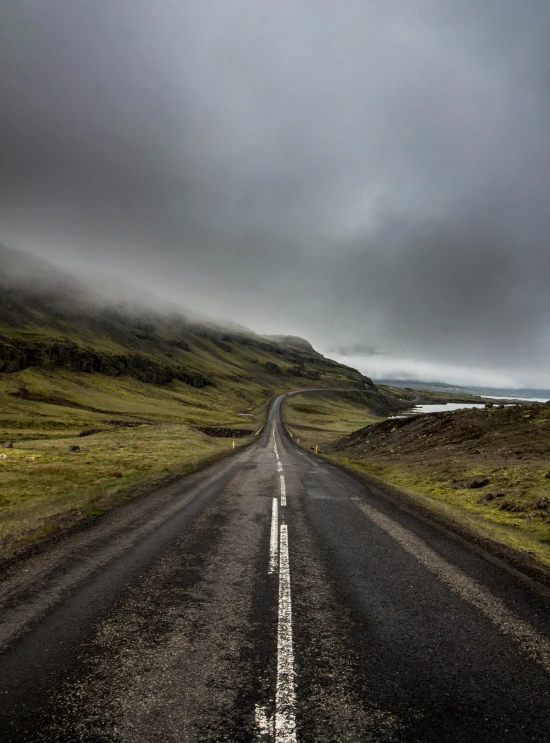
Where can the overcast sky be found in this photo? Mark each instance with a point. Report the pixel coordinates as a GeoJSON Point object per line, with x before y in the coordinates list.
{"type": "Point", "coordinates": [371, 174]}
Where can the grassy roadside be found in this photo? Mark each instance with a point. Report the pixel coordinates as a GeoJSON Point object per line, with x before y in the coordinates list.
{"type": "Point", "coordinates": [142, 435]}
{"type": "Point", "coordinates": [61, 487]}
{"type": "Point", "coordinates": [484, 470]}
{"type": "Point", "coordinates": [528, 539]}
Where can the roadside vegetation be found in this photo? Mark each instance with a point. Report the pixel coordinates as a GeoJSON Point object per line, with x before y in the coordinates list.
{"type": "Point", "coordinates": [487, 469]}
{"type": "Point", "coordinates": [104, 440]}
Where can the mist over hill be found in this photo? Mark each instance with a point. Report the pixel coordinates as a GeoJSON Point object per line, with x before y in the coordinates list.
{"type": "Point", "coordinates": [51, 319]}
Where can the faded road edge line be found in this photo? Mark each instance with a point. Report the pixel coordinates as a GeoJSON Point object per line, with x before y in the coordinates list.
{"type": "Point", "coordinates": [283, 491]}
{"type": "Point", "coordinates": [532, 642]}
{"type": "Point", "coordinates": [264, 724]}
{"type": "Point", "coordinates": [285, 697]}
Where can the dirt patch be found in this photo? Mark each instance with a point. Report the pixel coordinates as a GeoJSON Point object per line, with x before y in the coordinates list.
{"type": "Point", "coordinates": [225, 433]}
{"type": "Point", "coordinates": [126, 424]}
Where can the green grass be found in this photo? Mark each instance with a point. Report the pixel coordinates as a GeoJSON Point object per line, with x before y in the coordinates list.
{"type": "Point", "coordinates": [314, 419]}
{"type": "Point", "coordinates": [61, 486]}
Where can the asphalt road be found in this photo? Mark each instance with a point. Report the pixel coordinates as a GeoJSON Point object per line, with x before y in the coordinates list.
{"type": "Point", "coordinates": [271, 597]}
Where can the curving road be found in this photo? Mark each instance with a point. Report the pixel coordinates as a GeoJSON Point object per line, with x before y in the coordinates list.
{"type": "Point", "coordinates": [271, 597]}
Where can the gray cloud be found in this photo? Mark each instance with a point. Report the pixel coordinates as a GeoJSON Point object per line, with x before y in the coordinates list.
{"type": "Point", "coordinates": [367, 173]}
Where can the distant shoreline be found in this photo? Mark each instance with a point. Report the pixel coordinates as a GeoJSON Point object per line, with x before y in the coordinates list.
{"type": "Point", "coordinates": [531, 394]}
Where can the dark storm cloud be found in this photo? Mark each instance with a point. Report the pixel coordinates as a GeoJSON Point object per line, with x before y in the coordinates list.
{"type": "Point", "coordinates": [371, 174]}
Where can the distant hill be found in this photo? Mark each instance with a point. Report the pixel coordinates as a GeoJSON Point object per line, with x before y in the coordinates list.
{"type": "Point", "coordinates": [51, 320]}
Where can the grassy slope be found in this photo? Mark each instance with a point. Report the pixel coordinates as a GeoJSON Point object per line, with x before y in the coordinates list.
{"type": "Point", "coordinates": [435, 458]}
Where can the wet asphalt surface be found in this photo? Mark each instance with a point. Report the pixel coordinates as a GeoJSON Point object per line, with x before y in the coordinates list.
{"type": "Point", "coordinates": [160, 621]}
